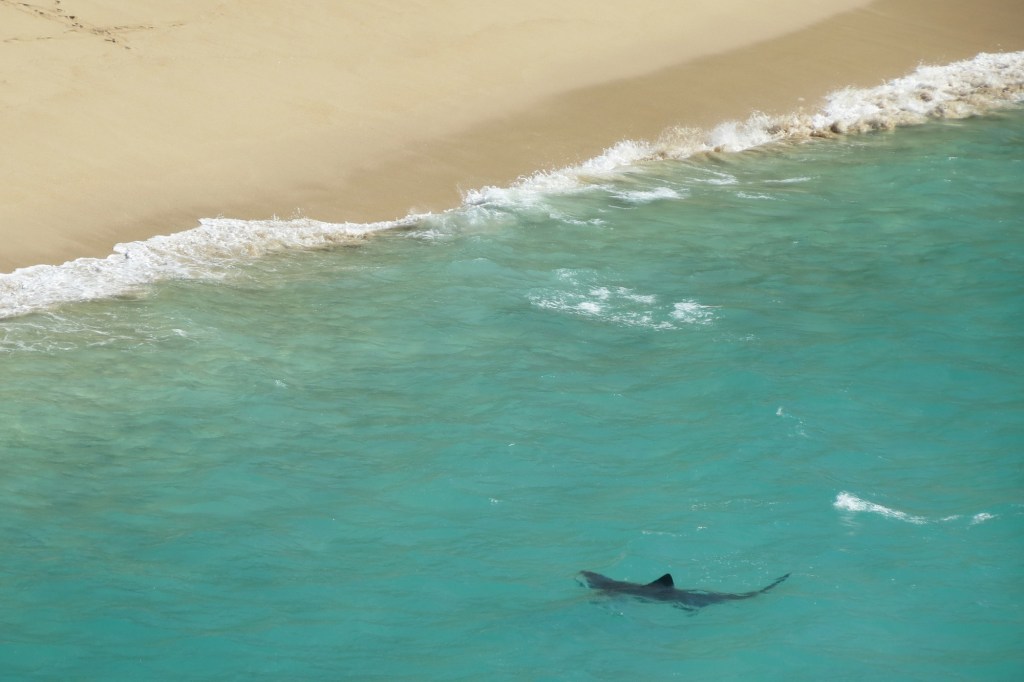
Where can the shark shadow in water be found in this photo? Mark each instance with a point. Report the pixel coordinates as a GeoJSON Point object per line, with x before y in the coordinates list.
{"type": "Point", "coordinates": [664, 589]}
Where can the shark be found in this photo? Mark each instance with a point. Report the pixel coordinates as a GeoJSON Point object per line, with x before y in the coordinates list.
{"type": "Point", "coordinates": [664, 590]}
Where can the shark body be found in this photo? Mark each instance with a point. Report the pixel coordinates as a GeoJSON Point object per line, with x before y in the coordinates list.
{"type": "Point", "coordinates": [664, 590]}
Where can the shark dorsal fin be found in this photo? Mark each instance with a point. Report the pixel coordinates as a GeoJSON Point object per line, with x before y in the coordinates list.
{"type": "Point", "coordinates": [663, 581]}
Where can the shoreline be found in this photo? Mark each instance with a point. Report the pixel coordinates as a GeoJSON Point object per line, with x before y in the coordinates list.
{"type": "Point", "coordinates": [73, 187]}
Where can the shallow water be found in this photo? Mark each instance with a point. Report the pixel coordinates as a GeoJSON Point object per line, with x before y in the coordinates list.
{"type": "Point", "coordinates": [390, 460]}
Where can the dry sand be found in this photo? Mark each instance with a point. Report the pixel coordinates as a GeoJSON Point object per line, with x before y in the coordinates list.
{"type": "Point", "coordinates": [125, 120]}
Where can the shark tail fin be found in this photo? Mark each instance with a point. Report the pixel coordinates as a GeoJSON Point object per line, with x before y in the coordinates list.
{"type": "Point", "coordinates": [663, 581]}
{"type": "Point", "coordinates": [777, 581]}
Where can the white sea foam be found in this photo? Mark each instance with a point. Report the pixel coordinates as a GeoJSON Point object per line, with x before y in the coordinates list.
{"type": "Point", "coordinates": [851, 503]}
{"type": "Point", "coordinates": [209, 251]}
{"type": "Point", "coordinates": [958, 90]}
{"type": "Point", "coordinates": [981, 518]}
{"type": "Point", "coordinates": [691, 312]}
{"type": "Point", "coordinates": [647, 196]}
{"type": "Point", "coordinates": [787, 181]}
{"type": "Point", "coordinates": [213, 249]}
{"type": "Point", "coordinates": [576, 293]}
{"type": "Point", "coordinates": [722, 179]}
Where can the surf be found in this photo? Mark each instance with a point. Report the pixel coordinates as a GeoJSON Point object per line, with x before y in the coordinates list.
{"type": "Point", "coordinates": [219, 246]}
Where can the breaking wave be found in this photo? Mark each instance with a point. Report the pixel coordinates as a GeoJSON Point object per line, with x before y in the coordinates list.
{"type": "Point", "coordinates": [217, 246]}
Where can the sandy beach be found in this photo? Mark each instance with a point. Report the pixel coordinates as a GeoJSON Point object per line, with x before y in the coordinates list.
{"type": "Point", "coordinates": [126, 120]}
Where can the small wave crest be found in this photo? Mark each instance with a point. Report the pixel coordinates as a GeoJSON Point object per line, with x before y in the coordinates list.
{"type": "Point", "coordinates": [851, 503]}
{"type": "Point", "coordinates": [217, 246]}
{"type": "Point", "coordinates": [639, 196]}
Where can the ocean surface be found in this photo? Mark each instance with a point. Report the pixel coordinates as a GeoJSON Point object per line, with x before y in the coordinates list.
{"type": "Point", "coordinates": [305, 452]}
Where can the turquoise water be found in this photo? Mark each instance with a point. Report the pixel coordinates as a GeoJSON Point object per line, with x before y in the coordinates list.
{"type": "Point", "coordinates": [390, 460]}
